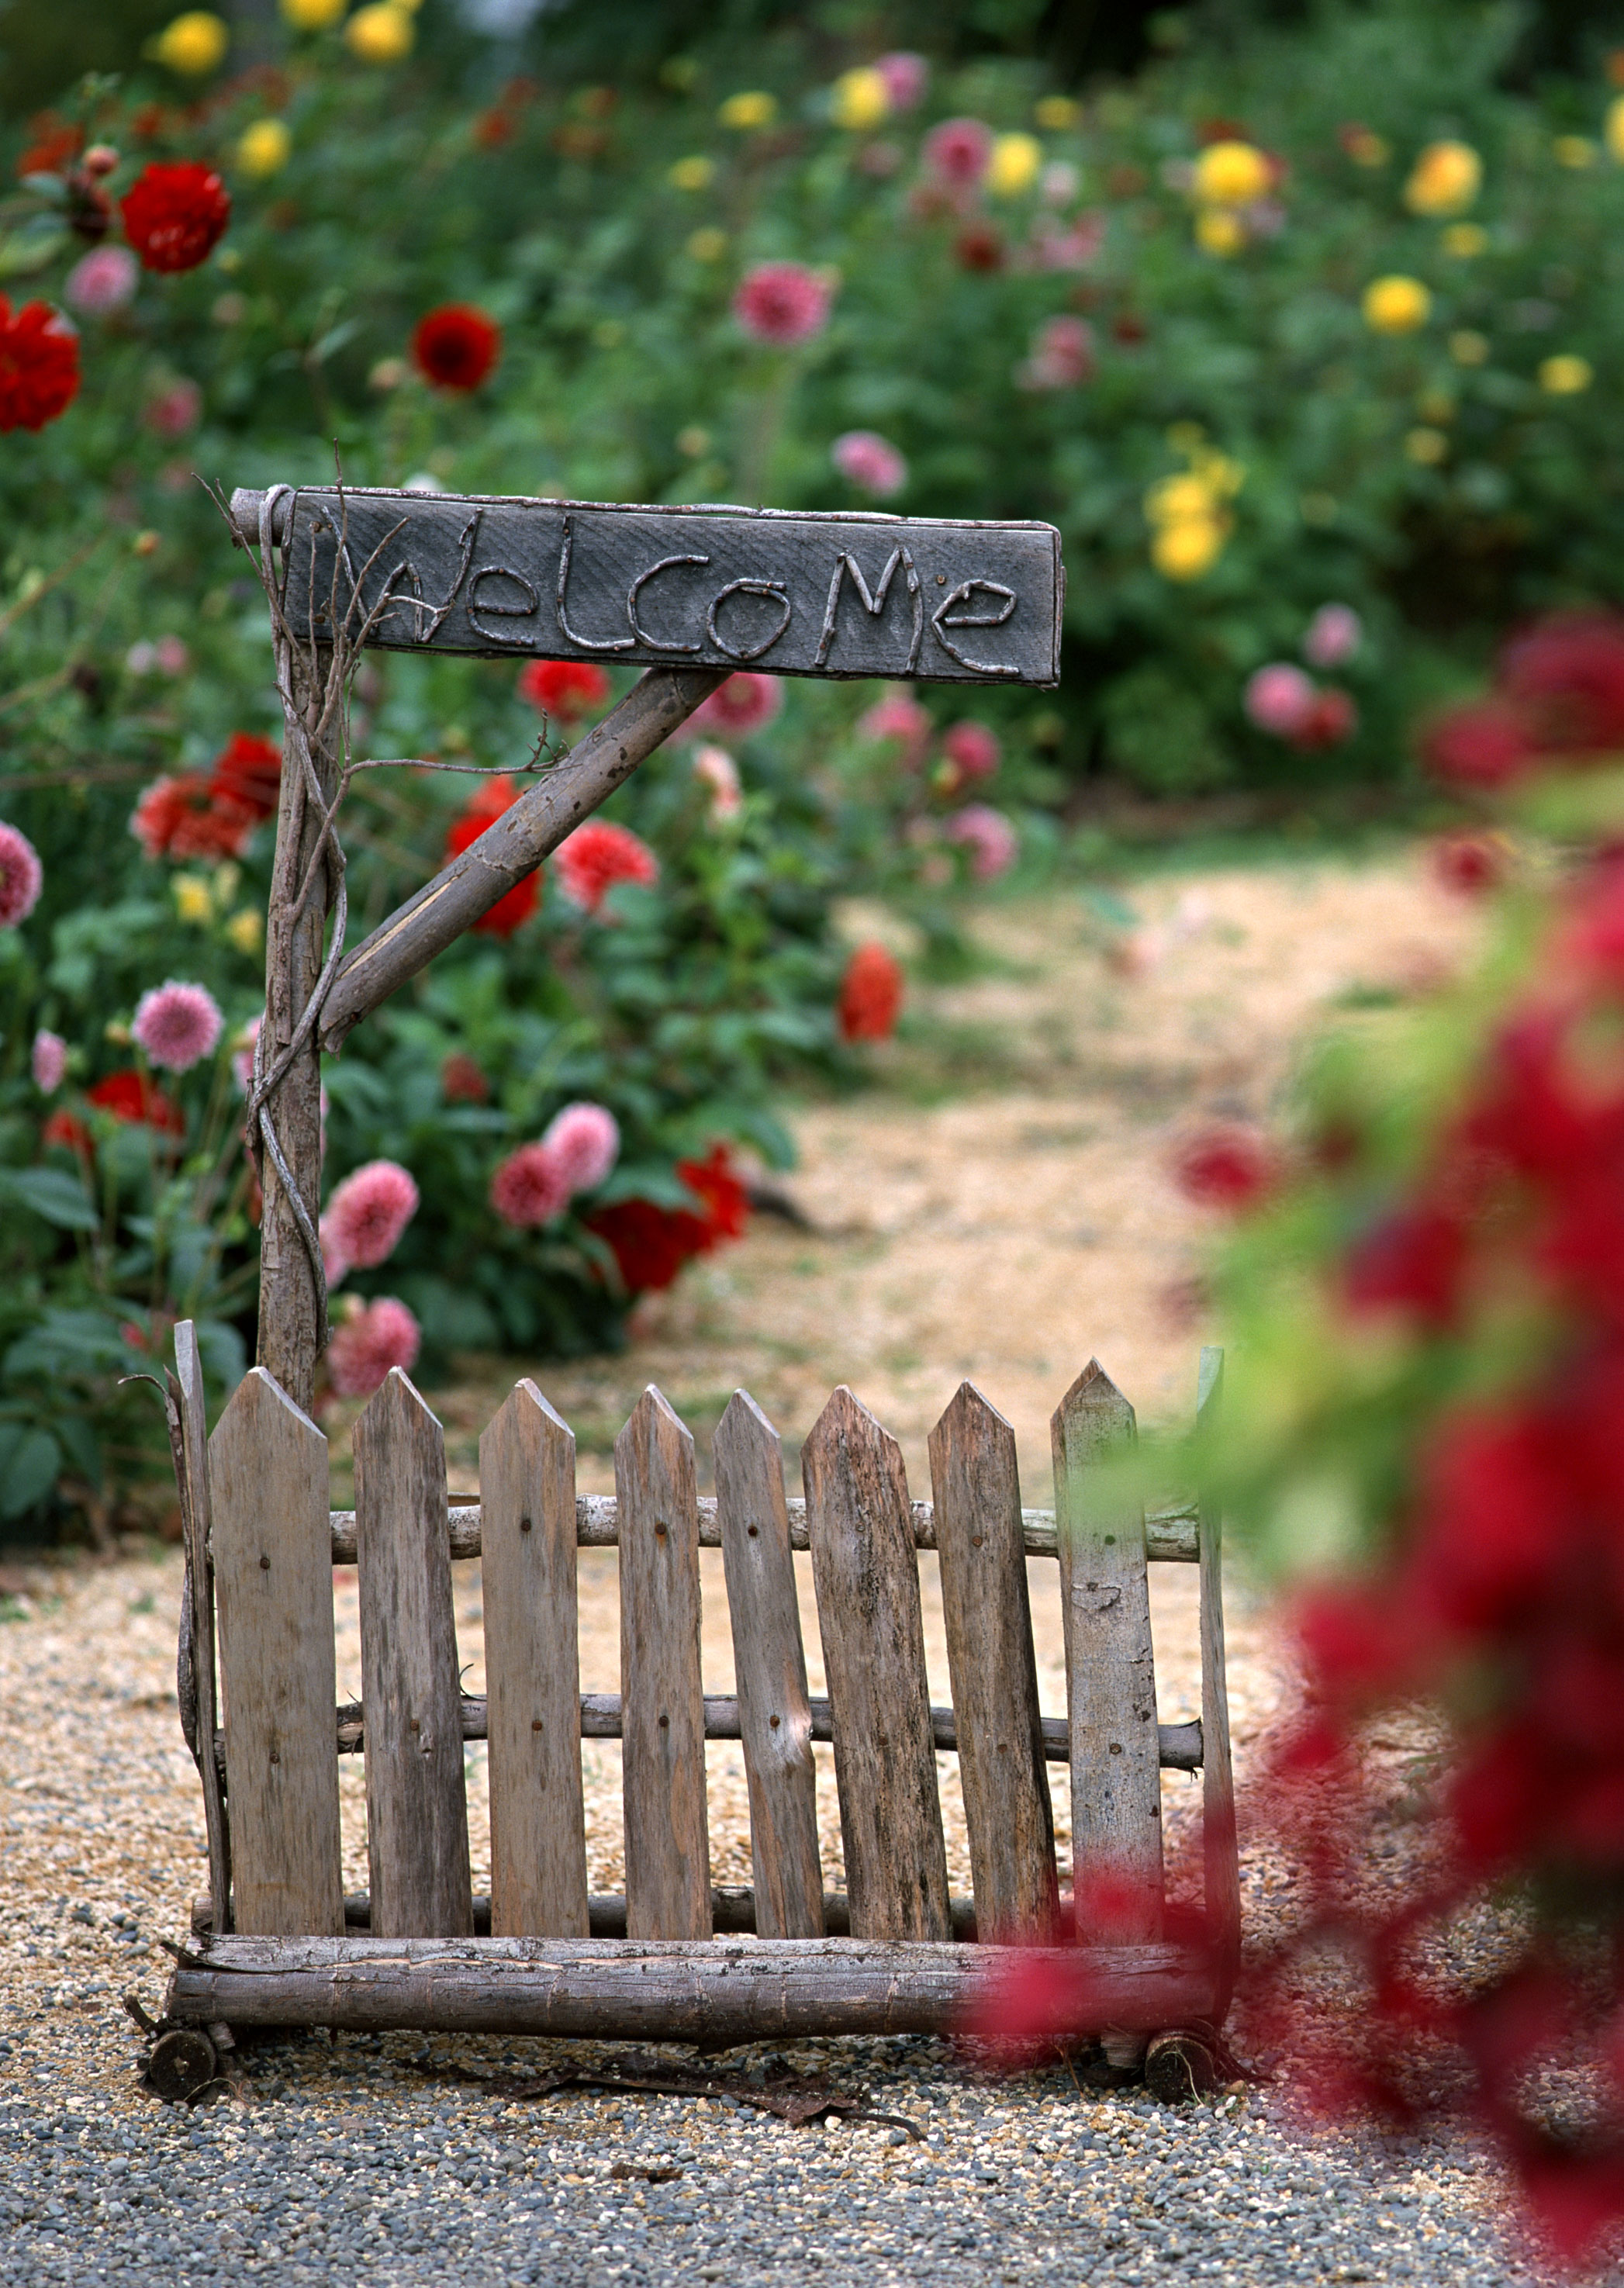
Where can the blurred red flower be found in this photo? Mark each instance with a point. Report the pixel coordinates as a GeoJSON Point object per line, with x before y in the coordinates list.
{"type": "Point", "coordinates": [39, 365]}
{"type": "Point", "coordinates": [180, 817]}
{"type": "Point", "coordinates": [870, 995]}
{"type": "Point", "coordinates": [652, 1244]}
{"type": "Point", "coordinates": [1225, 1168]}
{"type": "Point", "coordinates": [456, 346]}
{"type": "Point", "coordinates": [55, 143]}
{"type": "Point", "coordinates": [133, 1096]}
{"type": "Point", "coordinates": [565, 688]}
{"type": "Point", "coordinates": [1483, 744]}
{"type": "Point", "coordinates": [175, 215]}
{"type": "Point", "coordinates": [460, 1080]}
{"type": "Point", "coordinates": [495, 795]}
{"type": "Point", "coordinates": [596, 856]}
{"type": "Point", "coordinates": [1469, 863]}
{"type": "Point", "coordinates": [1566, 679]}
{"type": "Point", "coordinates": [248, 774]}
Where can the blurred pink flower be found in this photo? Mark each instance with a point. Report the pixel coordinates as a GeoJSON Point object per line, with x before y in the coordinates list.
{"type": "Point", "coordinates": [898, 717]}
{"type": "Point", "coordinates": [1067, 246]}
{"type": "Point", "coordinates": [1279, 699]}
{"type": "Point", "coordinates": [957, 151]}
{"type": "Point", "coordinates": [1335, 634]}
{"type": "Point", "coordinates": [782, 302]}
{"type": "Point", "coordinates": [175, 409]}
{"type": "Point", "coordinates": [715, 768]}
{"type": "Point", "coordinates": [171, 656]}
{"type": "Point", "coordinates": [368, 1213]}
{"type": "Point", "coordinates": [1062, 356]}
{"type": "Point", "coordinates": [102, 280]}
{"type": "Point", "coordinates": [177, 1025]}
{"type": "Point", "coordinates": [529, 1187]}
{"type": "Point", "coordinates": [22, 877]}
{"type": "Point", "coordinates": [905, 75]}
{"type": "Point", "coordinates": [599, 855]}
{"type": "Point", "coordinates": [973, 748]}
{"type": "Point", "coordinates": [584, 1141]}
{"type": "Point", "coordinates": [48, 1060]}
{"type": "Point", "coordinates": [744, 703]}
{"type": "Point", "coordinates": [988, 834]}
{"type": "Point", "coordinates": [364, 1347]}
{"type": "Point", "coordinates": [870, 462]}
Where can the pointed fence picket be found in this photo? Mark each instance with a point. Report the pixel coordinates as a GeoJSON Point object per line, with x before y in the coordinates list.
{"type": "Point", "coordinates": [277, 1935]}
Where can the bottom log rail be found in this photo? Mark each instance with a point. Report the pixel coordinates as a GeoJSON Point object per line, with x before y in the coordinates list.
{"type": "Point", "coordinates": [714, 1991]}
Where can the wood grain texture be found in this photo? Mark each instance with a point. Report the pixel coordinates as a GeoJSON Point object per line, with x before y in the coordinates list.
{"type": "Point", "coordinates": [196, 1518]}
{"type": "Point", "coordinates": [994, 1670]}
{"type": "Point", "coordinates": [757, 1989]}
{"type": "Point", "coordinates": [417, 1802]}
{"type": "Point", "coordinates": [1111, 1675]}
{"type": "Point", "coordinates": [787, 592]}
{"type": "Point", "coordinates": [1219, 1849]}
{"type": "Point", "coordinates": [663, 1698]}
{"type": "Point", "coordinates": [533, 1672]}
{"type": "Point", "coordinates": [273, 1584]}
{"type": "Point", "coordinates": [867, 1577]}
{"type": "Point", "coordinates": [770, 1669]}
{"type": "Point", "coordinates": [733, 1914]}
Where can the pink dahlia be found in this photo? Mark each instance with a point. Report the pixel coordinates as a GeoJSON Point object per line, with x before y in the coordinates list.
{"type": "Point", "coordinates": [783, 303]}
{"type": "Point", "coordinates": [973, 748]}
{"type": "Point", "coordinates": [1335, 634]}
{"type": "Point", "coordinates": [363, 1349]}
{"type": "Point", "coordinates": [870, 462]}
{"type": "Point", "coordinates": [744, 703]}
{"type": "Point", "coordinates": [530, 1187]}
{"type": "Point", "coordinates": [987, 836]}
{"type": "Point", "coordinates": [175, 409]}
{"type": "Point", "coordinates": [103, 280]}
{"type": "Point", "coordinates": [597, 856]}
{"type": "Point", "coordinates": [1280, 699]}
{"type": "Point", "coordinates": [956, 153]}
{"type": "Point", "coordinates": [48, 1062]}
{"type": "Point", "coordinates": [898, 717]}
{"type": "Point", "coordinates": [1062, 356]}
{"type": "Point", "coordinates": [177, 1025]}
{"type": "Point", "coordinates": [715, 768]}
{"type": "Point", "coordinates": [22, 877]}
{"type": "Point", "coordinates": [905, 76]}
{"type": "Point", "coordinates": [584, 1142]}
{"type": "Point", "coordinates": [368, 1213]}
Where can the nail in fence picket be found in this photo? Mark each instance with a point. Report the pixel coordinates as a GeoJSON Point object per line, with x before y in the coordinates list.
{"type": "Point", "coordinates": [262, 1541]}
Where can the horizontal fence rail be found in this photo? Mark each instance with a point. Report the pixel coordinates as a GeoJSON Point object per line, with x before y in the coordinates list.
{"type": "Point", "coordinates": [1171, 1534]}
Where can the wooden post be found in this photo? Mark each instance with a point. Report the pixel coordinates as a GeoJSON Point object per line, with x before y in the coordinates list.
{"type": "Point", "coordinates": [869, 1617]}
{"type": "Point", "coordinates": [1220, 1862]}
{"type": "Point", "coordinates": [196, 1518]}
{"type": "Point", "coordinates": [990, 1658]}
{"type": "Point", "coordinates": [1110, 1670]}
{"type": "Point", "coordinates": [770, 1668]}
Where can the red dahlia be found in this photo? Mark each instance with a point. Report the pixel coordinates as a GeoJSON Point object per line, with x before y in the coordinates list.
{"type": "Point", "coordinates": [175, 216]}
{"type": "Point", "coordinates": [564, 687]}
{"type": "Point", "coordinates": [248, 773]}
{"type": "Point", "coordinates": [39, 365]}
{"type": "Point", "coordinates": [651, 1243]}
{"type": "Point", "coordinates": [496, 796]}
{"type": "Point", "coordinates": [457, 346]}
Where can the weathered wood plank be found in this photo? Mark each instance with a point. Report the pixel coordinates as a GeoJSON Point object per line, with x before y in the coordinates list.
{"type": "Point", "coordinates": [273, 1581]}
{"type": "Point", "coordinates": [994, 1669]}
{"type": "Point", "coordinates": [662, 1702]}
{"type": "Point", "coordinates": [533, 1672]}
{"type": "Point", "coordinates": [866, 1578]}
{"type": "Point", "coordinates": [770, 1669]}
{"type": "Point", "coordinates": [416, 1800]}
{"type": "Point", "coordinates": [732, 1913]}
{"type": "Point", "coordinates": [196, 1516]}
{"type": "Point", "coordinates": [1169, 1533]}
{"type": "Point", "coordinates": [603, 1988]}
{"type": "Point", "coordinates": [1111, 1678]}
{"type": "Point", "coordinates": [1221, 1864]}
{"type": "Point", "coordinates": [787, 592]}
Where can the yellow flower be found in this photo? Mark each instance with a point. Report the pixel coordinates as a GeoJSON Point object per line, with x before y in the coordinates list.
{"type": "Point", "coordinates": [1564, 376]}
{"type": "Point", "coordinates": [755, 108]}
{"type": "Point", "coordinates": [246, 930]}
{"type": "Point", "coordinates": [312, 15]}
{"type": "Point", "coordinates": [1180, 500]}
{"type": "Point", "coordinates": [1013, 167]}
{"type": "Point", "coordinates": [1612, 130]}
{"type": "Point", "coordinates": [1574, 151]}
{"type": "Point", "coordinates": [707, 245]}
{"type": "Point", "coordinates": [1219, 474]}
{"type": "Point", "coordinates": [1468, 348]}
{"type": "Point", "coordinates": [1188, 547]}
{"type": "Point", "coordinates": [1056, 113]}
{"type": "Point", "coordinates": [859, 99]}
{"type": "Point", "coordinates": [1367, 148]}
{"type": "Point", "coordinates": [1217, 231]}
{"type": "Point", "coordinates": [1396, 304]}
{"type": "Point", "coordinates": [1465, 239]}
{"type": "Point", "coordinates": [1444, 180]}
{"type": "Point", "coordinates": [1428, 447]}
{"type": "Point", "coordinates": [194, 899]}
{"type": "Point", "coordinates": [264, 147]}
{"type": "Point", "coordinates": [193, 44]}
{"type": "Point", "coordinates": [380, 33]}
{"type": "Point", "coordinates": [693, 174]}
{"type": "Point", "coordinates": [1232, 175]}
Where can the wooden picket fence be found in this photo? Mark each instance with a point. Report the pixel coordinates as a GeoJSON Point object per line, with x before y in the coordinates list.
{"type": "Point", "coordinates": [278, 1944]}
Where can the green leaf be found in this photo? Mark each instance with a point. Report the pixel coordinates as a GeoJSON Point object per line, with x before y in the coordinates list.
{"type": "Point", "coordinates": [28, 1471]}
{"type": "Point", "coordinates": [53, 1192]}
